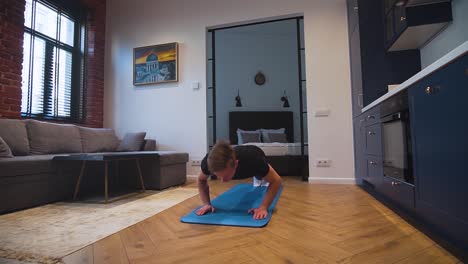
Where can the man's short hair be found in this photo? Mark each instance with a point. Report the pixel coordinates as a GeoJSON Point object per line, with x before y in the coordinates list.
{"type": "Point", "coordinates": [221, 156]}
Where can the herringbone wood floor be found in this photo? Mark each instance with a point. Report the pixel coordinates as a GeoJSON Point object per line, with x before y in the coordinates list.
{"type": "Point", "coordinates": [311, 224]}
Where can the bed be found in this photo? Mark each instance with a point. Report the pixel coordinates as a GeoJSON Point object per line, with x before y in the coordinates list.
{"type": "Point", "coordinates": [280, 149]}
{"type": "Point", "coordinates": [286, 158]}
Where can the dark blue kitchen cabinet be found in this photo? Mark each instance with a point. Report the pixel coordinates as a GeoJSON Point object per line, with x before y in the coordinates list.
{"type": "Point", "coordinates": [374, 171]}
{"type": "Point", "coordinates": [400, 193]}
{"type": "Point", "coordinates": [373, 149]}
{"type": "Point", "coordinates": [359, 148]}
{"type": "Point", "coordinates": [372, 69]}
{"type": "Point", "coordinates": [374, 140]}
{"type": "Point", "coordinates": [368, 148]}
{"type": "Point", "coordinates": [438, 114]}
{"type": "Point", "coordinates": [356, 73]}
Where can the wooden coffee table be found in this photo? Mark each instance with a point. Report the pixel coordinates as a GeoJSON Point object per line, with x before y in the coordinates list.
{"type": "Point", "coordinates": [105, 158]}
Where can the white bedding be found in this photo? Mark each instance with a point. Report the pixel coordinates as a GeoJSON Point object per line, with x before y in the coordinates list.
{"type": "Point", "coordinates": [280, 149]}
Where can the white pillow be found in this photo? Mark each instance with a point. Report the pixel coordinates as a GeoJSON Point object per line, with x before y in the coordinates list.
{"type": "Point", "coordinates": [241, 131]}
{"type": "Point", "coordinates": [265, 132]}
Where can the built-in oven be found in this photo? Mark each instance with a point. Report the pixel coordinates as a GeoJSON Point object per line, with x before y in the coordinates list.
{"type": "Point", "coordinates": [396, 138]}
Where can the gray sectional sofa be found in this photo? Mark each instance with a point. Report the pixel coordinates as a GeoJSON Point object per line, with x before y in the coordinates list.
{"type": "Point", "coordinates": [30, 177]}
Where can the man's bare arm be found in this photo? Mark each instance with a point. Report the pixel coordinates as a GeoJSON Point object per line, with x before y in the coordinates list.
{"type": "Point", "coordinates": [275, 183]}
{"type": "Point", "coordinates": [204, 188]}
{"type": "Point", "coordinates": [204, 191]}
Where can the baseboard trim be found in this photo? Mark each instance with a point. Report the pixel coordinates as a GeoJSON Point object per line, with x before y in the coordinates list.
{"type": "Point", "coordinates": [332, 180]}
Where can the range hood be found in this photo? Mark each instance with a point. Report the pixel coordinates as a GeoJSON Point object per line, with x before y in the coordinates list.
{"type": "Point", "coordinates": [417, 22]}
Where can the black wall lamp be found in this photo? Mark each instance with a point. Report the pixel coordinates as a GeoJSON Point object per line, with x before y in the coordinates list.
{"type": "Point", "coordinates": [238, 100]}
{"type": "Point", "coordinates": [285, 100]}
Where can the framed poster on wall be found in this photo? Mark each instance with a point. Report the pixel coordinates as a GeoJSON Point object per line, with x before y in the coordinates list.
{"type": "Point", "coordinates": [155, 64]}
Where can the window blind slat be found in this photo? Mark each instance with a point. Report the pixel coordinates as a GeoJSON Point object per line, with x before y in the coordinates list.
{"type": "Point", "coordinates": [25, 96]}
{"type": "Point", "coordinates": [49, 80]}
{"type": "Point", "coordinates": [65, 88]}
{"type": "Point", "coordinates": [38, 68]}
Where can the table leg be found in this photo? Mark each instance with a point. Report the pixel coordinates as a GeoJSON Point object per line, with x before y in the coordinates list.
{"type": "Point", "coordinates": [77, 186]}
{"type": "Point", "coordinates": [140, 175]}
{"type": "Point", "coordinates": [106, 173]}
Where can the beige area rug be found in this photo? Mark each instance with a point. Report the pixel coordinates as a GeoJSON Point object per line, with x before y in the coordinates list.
{"type": "Point", "coordinates": [48, 233]}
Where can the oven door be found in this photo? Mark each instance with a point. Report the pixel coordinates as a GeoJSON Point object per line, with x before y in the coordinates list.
{"type": "Point", "coordinates": [396, 147]}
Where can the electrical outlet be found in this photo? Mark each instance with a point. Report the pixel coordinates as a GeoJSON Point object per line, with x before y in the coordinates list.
{"type": "Point", "coordinates": [196, 162]}
{"type": "Point", "coordinates": [322, 112]}
{"type": "Point", "coordinates": [322, 163]}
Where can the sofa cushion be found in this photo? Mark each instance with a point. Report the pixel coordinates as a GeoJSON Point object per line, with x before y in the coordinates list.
{"type": "Point", "coordinates": [149, 145]}
{"type": "Point", "coordinates": [5, 151]}
{"type": "Point", "coordinates": [98, 139]}
{"type": "Point", "coordinates": [49, 138]}
{"type": "Point", "coordinates": [25, 165]}
{"type": "Point", "coordinates": [132, 142]}
{"type": "Point", "coordinates": [13, 132]}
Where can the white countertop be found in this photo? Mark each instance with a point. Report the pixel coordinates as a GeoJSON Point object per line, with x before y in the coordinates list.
{"type": "Point", "coordinates": [455, 53]}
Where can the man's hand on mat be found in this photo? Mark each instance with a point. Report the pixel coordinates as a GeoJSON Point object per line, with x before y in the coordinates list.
{"type": "Point", "coordinates": [259, 213]}
{"type": "Point", "coordinates": [205, 209]}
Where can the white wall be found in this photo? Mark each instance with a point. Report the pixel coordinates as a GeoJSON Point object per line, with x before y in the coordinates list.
{"type": "Point", "coordinates": [243, 51]}
{"type": "Point", "coordinates": [175, 115]}
{"type": "Point", "coordinates": [453, 36]}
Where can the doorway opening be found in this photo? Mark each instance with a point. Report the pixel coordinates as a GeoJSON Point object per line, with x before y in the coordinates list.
{"type": "Point", "coordinates": [256, 82]}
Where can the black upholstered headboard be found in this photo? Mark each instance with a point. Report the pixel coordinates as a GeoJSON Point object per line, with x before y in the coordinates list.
{"type": "Point", "coordinates": [248, 120]}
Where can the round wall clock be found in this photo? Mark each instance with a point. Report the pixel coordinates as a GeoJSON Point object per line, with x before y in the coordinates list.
{"type": "Point", "coordinates": [260, 78]}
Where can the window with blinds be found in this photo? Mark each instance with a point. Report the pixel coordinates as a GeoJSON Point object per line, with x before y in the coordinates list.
{"type": "Point", "coordinates": [52, 85]}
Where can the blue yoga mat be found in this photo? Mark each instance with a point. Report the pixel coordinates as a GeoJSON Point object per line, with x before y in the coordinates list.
{"type": "Point", "coordinates": [232, 206]}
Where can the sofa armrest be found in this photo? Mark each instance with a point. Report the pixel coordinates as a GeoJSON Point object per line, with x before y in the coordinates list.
{"type": "Point", "coordinates": [149, 145]}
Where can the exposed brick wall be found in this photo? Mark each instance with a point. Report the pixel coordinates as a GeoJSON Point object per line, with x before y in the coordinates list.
{"type": "Point", "coordinates": [11, 58]}
{"type": "Point", "coordinates": [94, 94]}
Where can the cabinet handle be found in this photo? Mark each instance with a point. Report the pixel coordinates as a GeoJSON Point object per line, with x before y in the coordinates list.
{"type": "Point", "coordinates": [402, 19]}
{"type": "Point", "coordinates": [395, 183]}
{"type": "Point", "coordinates": [370, 117]}
{"type": "Point", "coordinates": [356, 8]}
{"type": "Point", "coordinates": [371, 133]}
{"type": "Point", "coordinates": [372, 163]}
{"type": "Point", "coordinates": [429, 90]}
